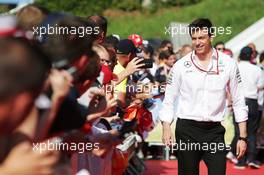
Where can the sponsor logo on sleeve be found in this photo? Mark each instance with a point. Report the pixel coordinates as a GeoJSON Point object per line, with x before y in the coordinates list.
{"type": "Point", "coordinates": [238, 77]}
{"type": "Point", "coordinates": [169, 79]}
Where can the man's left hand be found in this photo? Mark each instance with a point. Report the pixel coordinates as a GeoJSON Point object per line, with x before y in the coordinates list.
{"type": "Point", "coordinates": [241, 148]}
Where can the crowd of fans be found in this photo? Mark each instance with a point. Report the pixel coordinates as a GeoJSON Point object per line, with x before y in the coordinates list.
{"type": "Point", "coordinates": [78, 103]}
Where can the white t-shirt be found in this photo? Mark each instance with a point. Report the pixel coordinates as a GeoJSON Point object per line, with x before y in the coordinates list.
{"type": "Point", "coordinates": [252, 79]}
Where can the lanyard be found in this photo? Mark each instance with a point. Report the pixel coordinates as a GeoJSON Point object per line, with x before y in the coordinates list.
{"type": "Point", "coordinates": [208, 72]}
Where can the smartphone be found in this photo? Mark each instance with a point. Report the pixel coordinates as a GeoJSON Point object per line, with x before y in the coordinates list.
{"type": "Point", "coordinates": [148, 63]}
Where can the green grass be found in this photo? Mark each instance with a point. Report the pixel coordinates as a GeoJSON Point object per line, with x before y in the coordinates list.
{"type": "Point", "coordinates": [238, 14]}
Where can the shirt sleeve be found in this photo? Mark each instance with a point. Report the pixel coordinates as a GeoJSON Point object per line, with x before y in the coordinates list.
{"type": "Point", "coordinates": [166, 113]}
{"type": "Point", "coordinates": [236, 90]}
{"type": "Point", "coordinates": [260, 83]}
{"type": "Point", "coordinates": [261, 92]}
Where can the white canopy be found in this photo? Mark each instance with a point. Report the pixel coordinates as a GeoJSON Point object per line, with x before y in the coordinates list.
{"type": "Point", "coordinates": [252, 34]}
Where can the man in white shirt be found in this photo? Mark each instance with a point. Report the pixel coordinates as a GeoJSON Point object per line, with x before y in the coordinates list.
{"type": "Point", "coordinates": [261, 91]}
{"type": "Point", "coordinates": [200, 80]}
{"type": "Point", "coordinates": [253, 80]}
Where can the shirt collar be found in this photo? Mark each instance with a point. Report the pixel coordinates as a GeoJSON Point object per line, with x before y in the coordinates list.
{"type": "Point", "coordinates": [213, 65]}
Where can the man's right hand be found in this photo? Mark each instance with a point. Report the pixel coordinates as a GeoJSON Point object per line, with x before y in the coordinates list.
{"type": "Point", "coordinates": [167, 136]}
{"type": "Point", "coordinates": [24, 160]}
{"type": "Point", "coordinates": [133, 65]}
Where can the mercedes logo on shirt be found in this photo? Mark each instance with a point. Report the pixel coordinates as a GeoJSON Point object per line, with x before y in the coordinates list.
{"type": "Point", "coordinates": [187, 64]}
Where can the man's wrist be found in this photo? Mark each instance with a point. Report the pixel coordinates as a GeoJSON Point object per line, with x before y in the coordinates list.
{"type": "Point", "coordinates": [127, 73]}
{"type": "Point", "coordinates": [242, 129]}
{"type": "Point", "coordinates": [243, 139]}
{"type": "Point", "coordinates": [166, 124]}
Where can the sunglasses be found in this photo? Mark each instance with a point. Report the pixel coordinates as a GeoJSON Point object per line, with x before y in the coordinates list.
{"type": "Point", "coordinates": [221, 49]}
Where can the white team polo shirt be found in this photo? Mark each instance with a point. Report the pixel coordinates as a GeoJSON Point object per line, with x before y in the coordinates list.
{"type": "Point", "coordinates": [202, 93]}
{"type": "Point", "coordinates": [252, 79]}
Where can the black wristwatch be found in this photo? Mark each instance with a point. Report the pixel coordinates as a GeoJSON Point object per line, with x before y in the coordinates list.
{"type": "Point", "coordinates": [243, 138]}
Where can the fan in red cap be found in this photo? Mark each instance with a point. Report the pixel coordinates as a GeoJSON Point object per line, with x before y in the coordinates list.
{"type": "Point", "coordinates": [137, 39]}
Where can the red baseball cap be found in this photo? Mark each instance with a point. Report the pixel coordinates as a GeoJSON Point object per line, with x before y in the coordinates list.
{"type": "Point", "coordinates": [137, 39]}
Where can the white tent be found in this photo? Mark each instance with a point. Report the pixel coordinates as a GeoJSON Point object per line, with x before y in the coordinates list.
{"type": "Point", "coordinates": [253, 34]}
